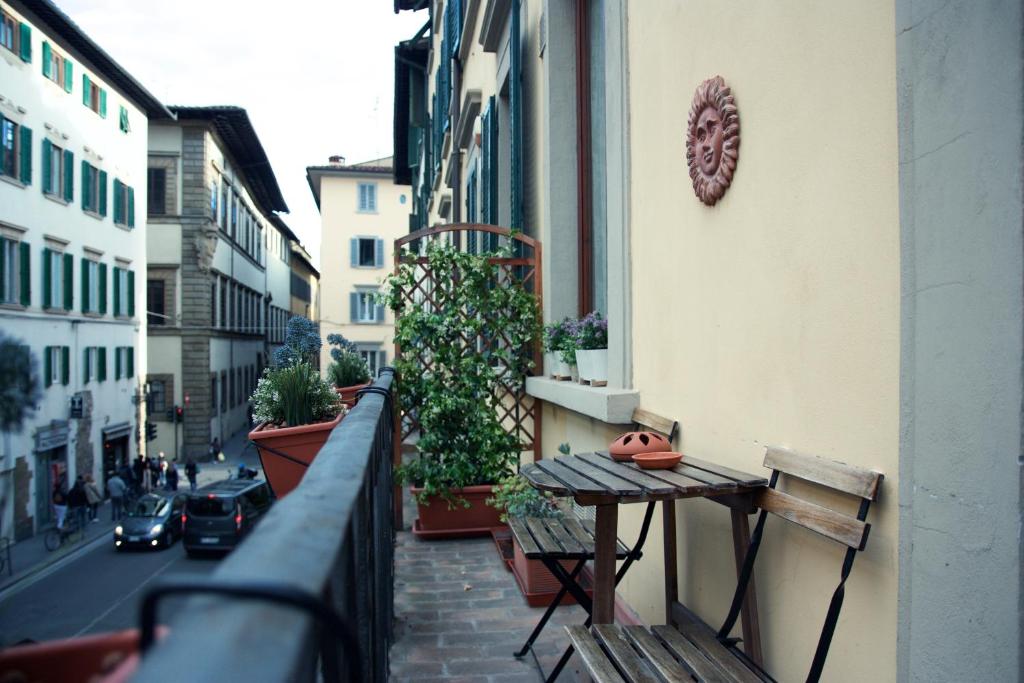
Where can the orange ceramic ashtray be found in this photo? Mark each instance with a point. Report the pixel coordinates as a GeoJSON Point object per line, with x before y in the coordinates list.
{"type": "Point", "coordinates": [631, 443]}
{"type": "Point", "coordinates": [657, 461]}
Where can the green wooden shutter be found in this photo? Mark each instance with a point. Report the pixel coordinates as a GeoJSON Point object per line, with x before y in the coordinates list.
{"type": "Point", "coordinates": [117, 362]}
{"type": "Point", "coordinates": [47, 366]}
{"type": "Point", "coordinates": [85, 365]}
{"type": "Point", "coordinates": [85, 285]}
{"type": "Point", "coordinates": [103, 103]}
{"type": "Point", "coordinates": [86, 91]}
{"type": "Point", "coordinates": [69, 176]}
{"type": "Point", "coordinates": [101, 364]}
{"type": "Point", "coordinates": [86, 168]}
{"type": "Point", "coordinates": [103, 193]}
{"type": "Point", "coordinates": [130, 357]}
{"type": "Point", "coordinates": [46, 59]}
{"type": "Point", "coordinates": [117, 291]}
{"type": "Point", "coordinates": [46, 184]}
{"type": "Point", "coordinates": [131, 207]}
{"type": "Point", "coordinates": [69, 281]}
{"type": "Point", "coordinates": [3, 263]}
{"type": "Point", "coordinates": [25, 43]}
{"type": "Point", "coordinates": [131, 293]}
{"type": "Point", "coordinates": [118, 203]}
{"type": "Point", "coordinates": [47, 270]}
{"type": "Point", "coordinates": [103, 288]}
{"type": "Point", "coordinates": [68, 70]}
{"type": "Point", "coordinates": [26, 155]}
{"type": "Point", "coordinates": [65, 365]}
{"type": "Point", "coordinates": [26, 271]}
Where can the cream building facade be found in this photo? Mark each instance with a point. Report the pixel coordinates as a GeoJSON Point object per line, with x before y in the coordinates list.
{"type": "Point", "coordinates": [72, 255]}
{"type": "Point", "coordinates": [834, 301]}
{"type": "Point", "coordinates": [362, 212]}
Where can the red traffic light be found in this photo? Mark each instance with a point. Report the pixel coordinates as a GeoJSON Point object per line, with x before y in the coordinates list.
{"type": "Point", "coordinates": [179, 412]}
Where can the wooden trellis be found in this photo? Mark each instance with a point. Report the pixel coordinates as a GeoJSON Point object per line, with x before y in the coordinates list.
{"type": "Point", "coordinates": [519, 413]}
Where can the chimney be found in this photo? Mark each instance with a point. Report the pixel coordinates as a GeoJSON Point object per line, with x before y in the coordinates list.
{"type": "Point", "coordinates": [336, 160]}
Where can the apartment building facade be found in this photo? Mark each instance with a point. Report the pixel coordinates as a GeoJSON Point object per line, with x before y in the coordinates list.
{"type": "Point", "coordinates": [855, 293]}
{"type": "Point", "coordinates": [215, 301]}
{"type": "Point", "coordinates": [73, 130]}
{"type": "Point", "coordinates": [362, 212]}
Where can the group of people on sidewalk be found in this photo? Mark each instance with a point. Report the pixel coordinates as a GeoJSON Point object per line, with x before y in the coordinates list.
{"type": "Point", "coordinates": [82, 500]}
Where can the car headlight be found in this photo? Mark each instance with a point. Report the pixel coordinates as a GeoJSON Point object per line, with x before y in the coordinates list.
{"type": "Point", "coordinates": [118, 530]}
{"type": "Point", "coordinates": [156, 529]}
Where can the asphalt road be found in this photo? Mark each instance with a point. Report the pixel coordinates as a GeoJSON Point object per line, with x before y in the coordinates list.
{"type": "Point", "coordinates": [96, 591]}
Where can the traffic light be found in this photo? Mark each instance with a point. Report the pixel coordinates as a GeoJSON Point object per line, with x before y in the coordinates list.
{"type": "Point", "coordinates": [179, 414]}
{"type": "Point", "coordinates": [150, 431]}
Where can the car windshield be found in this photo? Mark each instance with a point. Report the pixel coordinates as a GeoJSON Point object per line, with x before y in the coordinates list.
{"type": "Point", "coordinates": [211, 506]}
{"type": "Point", "coordinates": [148, 506]}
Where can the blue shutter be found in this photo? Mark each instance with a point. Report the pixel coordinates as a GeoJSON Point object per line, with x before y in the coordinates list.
{"type": "Point", "coordinates": [353, 307]}
{"type": "Point", "coordinates": [354, 251]}
{"type": "Point", "coordinates": [379, 253]}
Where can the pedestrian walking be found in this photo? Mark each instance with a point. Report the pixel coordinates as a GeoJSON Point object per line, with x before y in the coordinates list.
{"type": "Point", "coordinates": [59, 498]}
{"type": "Point", "coordinates": [163, 472]}
{"type": "Point", "coordinates": [93, 497]}
{"type": "Point", "coordinates": [191, 471]}
{"type": "Point", "coordinates": [116, 488]}
{"type": "Point", "coordinates": [154, 474]}
{"type": "Point", "coordinates": [77, 502]}
{"type": "Point", "coordinates": [172, 477]}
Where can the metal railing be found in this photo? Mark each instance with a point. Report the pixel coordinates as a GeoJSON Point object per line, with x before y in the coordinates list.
{"type": "Point", "coordinates": [309, 594]}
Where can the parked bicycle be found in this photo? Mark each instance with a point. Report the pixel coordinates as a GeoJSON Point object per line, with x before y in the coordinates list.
{"type": "Point", "coordinates": [71, 533]}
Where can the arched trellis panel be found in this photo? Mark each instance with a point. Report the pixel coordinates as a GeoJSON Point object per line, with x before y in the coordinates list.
{"type": "Point", "coordinates": [520, 414]}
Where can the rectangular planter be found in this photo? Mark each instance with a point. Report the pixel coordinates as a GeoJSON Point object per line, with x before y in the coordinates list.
{"type": "Point", "coordinates": [436, 520]}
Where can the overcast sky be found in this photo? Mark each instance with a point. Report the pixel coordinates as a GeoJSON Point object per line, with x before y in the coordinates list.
{"type": "Point", "coordinates": [316, 76]}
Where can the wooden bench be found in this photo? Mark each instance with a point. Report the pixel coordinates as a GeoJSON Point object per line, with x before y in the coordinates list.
{"type": "Point", "coordinates": [691, 650]}
{"type": "Point", "coordinates": [572, 538]}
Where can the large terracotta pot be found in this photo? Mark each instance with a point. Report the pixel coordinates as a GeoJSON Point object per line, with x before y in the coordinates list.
{"type": "Point", "coordinates": [436, 520]}
{"type": "Point", "coordinates": [299, 446]}
{"type": "Point", "coordinates": [102, 658]}
{"type": "Point", "coordinates": [348, 394]}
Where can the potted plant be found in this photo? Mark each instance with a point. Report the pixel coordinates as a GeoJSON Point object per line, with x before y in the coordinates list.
{"type": "Point", "coordinates": [348, 371]}
{"type": "Point", "coordinates": [295, 408]}
{"type": "Point", "coordinates": [559, 346]}
{"type": "Point", "coordinates": [591, 344]}
{"type": "Point", "coordinates": [452, 370]}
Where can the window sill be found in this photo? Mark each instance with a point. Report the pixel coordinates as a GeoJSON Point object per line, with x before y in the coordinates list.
{"type": "Point", "coordinates": [94, 214]}
{"type": "Point", "coordinates": [124, 227]}
{"type": "Point", "coordinates": [56, 311]}
{"type": "Point", "coordinates": [611, 406]}
{"type": "Point", "coordinates": [56, 198]}
{"type": "Point", "coordinates": [12, 180]}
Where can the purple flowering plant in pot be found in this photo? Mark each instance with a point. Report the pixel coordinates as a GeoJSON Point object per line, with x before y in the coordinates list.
{"type": "Point", "coordinates": [590, 341]}
{"type": "Point", "coordinates": [560, 347]}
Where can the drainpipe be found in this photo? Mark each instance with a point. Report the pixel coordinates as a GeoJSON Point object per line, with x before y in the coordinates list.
{"type": "Point", "coordinates": [456, 158]}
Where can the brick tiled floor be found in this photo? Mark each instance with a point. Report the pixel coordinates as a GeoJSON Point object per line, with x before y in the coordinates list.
{"type": "Point", "coordinates": [460, 616]}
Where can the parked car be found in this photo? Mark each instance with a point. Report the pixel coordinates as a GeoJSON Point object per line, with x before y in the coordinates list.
{"type": "Point", "coordinates": [152, 521]}
{"type": "Point", "coordinates": [219, 515]}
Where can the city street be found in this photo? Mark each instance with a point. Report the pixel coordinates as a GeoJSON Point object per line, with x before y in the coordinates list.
{"type": "Point", "coordinates": [96, 591]}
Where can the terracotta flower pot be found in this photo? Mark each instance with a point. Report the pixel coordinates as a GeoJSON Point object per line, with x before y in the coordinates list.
{"type": "Point", "coordinates": [348, 394]}
{"type": "Point", "coordinates": [657, 461]}
{"type": "Point", "coordinates": [631, 443]}
{"type": "Point", "coordinates": [299, 445]}
{"type": "Point", "coordinates": [437, 520]}
{"type": "Point", "coordinates": [104, 657]}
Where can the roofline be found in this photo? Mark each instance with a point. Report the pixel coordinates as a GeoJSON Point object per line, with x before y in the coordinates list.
{"type": "Point", "coordinates": [114, 74]}
{"type": "Point", "coordinates": [301, 252]}
{"type": "Point", "coordinates": [341, 171]}
{"type": "Point", "coordinates": [279, 223]}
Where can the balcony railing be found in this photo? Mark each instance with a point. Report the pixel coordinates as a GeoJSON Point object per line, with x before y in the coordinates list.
{"type": "Point", "coordinates": [327, 547]}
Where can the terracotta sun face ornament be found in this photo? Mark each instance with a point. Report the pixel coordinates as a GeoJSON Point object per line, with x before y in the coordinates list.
{"type": "Point", "coordinates": [712, 140]}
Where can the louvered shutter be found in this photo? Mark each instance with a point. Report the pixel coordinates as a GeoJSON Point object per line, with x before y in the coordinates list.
{"type": "Point", "coordinates": [85, 365]}
{"type": "Point", "coordinates": [69, 281]}
{"type": "Point", "coordinates": [69, 176]}
{"type": "Point", "coordinates": [68, 70]}
{"type": "Point", "coordinates": [117, 290]}
{"type": "Point", "coordinates": [117, 363]}
{"type": "Point", "coordinates": [47, 185]}
{"type": "Point", "coordinates": [25, 43]}
{"type": "Point", "coordinates": [354, 251]}
{"type": "Point", "coordinates": [26, 155]}
{"type": "Point", "coordinates": [101, 363]}
{"type": "Point", "coordinates": [103, 193]}
{"type": "Point", "coordinates": [353, 307]}
{"type": "Point", "coordinates": [379, 253]}
{"type": "Point", "coordinates": [47, 366]}
{"type": "Point", "coordinates": [118, 203]}
{"type": "Point", "coordinates": [130, 357]}
{"type": "Point", "coordinates": [26, 279]}
{"type": "Point", "coordinates": [47, 270]}
{"type": "Point", "coordinates": [131, 207]}
{"type": "Point", "coordinates": [65, 365]}
{"type": "Point", "coordinates": [3, 269]}
{"type": "Point", "coordinates": [103, 288]}
{"type": "Point", "coordinates": [86, 91]}
{"type": "Point", "coordinates": [46, 58]}
{"type": "Point", "coordinates": [86, 169]}
{"type": "Point", "coordinates": [131, 293]}
{"type": "Point", "coordinates": [85, 285]}
{"type": "Point", "coordinates": [103, 103]}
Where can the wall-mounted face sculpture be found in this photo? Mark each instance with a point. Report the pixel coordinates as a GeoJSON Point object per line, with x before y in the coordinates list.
{"type": "Point", "coordinates": [712, 140]}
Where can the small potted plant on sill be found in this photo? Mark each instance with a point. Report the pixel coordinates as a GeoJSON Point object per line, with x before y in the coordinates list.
{"type": "Point", "coordinates": [296, 409]}
{"type": "Point", "coordinates": [559, 348]}
{"type": "Point", "coordinates": [348, 371]}
{"type": "Point", "coordinates": [591, 344]}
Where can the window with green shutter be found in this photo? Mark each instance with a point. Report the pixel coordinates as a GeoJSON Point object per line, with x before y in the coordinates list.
{"type": "Point", "coordinates": [69, 282]}
{"type": "Point", "coordinates": [131, 293]}
{"type": "Point", "coordinates": [93, 96]}
{"type": "Point", "coordinates": [47, 366]}
{"type": "Point", "coordinates": [56, 67]}
{"type": "Point", "coordinates": [124, 204]}
{"type": "Point", "coordinates": [103, 289]}
{"type": "Point", "coordinates": [15, 151]}
{"type": "Point", "coordinates": [117, 362]}
{"type": "Point", "coordinates": [65, 365]}
{"type": "Point", "coordinates": [25, 152]}
{"type": "Point", "coordinates": [93, 181]}
{"type": "Point", "coordinates": [15, 36]}
{"type": "Point", "coordinates": [26, 274]}
{"type": "Point", "coordinates": [130, 354]}
{"type": "Point", "coordinates": [101, 364]}
{"type": "Point", "coordinates": [69, 176]}
{"type": "Point", "coordinates": [122, 122]}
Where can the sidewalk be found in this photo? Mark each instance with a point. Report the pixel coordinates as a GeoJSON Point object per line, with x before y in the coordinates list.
{"type": "Point", "coordinates": [30, 556]}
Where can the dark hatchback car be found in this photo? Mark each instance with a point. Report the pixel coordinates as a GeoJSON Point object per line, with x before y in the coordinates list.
{"type": "Point", "coordinates": [152, 521]}
{"type": "Point", "coordinates": [219, 515]}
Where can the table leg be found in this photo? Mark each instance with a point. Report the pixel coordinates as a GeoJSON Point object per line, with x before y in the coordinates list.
{"type": "Point", "coordinates": [748, 612]}
{"type": "Point", "coordinates": [668, 523]}
{"type": "Point", "coordinates": [605, 540]}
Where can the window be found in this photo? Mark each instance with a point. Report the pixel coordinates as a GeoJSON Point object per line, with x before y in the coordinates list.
{"type": "Point", "coordinates": [375, 359]}
{"type": "Point", "coordinates": [213, 391]}
{"type": "Point", "coordinates": [94, 286]}
{"type": "Point", "coordinates": [58, 170]}
{"type": "Point", "coordinates": [89, 364]}
{"type": "Point", "coordinates": [223, 391]}
{"type": "Point", "coordinates": [223, 320]}
{"type": "Point", "coordinates": [94, 189]}
{"type": "Point", "coordinates": [124, 204]}
{"type": "Point", "coordinates": [156, 192]}
{"type": "Point", "coordinates": [368, 197]}
{"type": "Point", "coordinates": [57, 282]}
{"type": "Point", "coordinates": [16, 36]}
{"type": "Point", "coordinates": [364, 307]}
{"type": "Point", "coordinates": [122, 121]}
{"type": "Point", "coordinates": [124, 362]}
{"type": "Point", "coordinates": [157, 397]}
{"type": "Point", "coordinates": [14, 272]}
{"type": "Point", "coordinates": [234, 215]}
{"type": "Point", "coordinates": [155, 311]}
{"type": "Point", "coordinates": [224, 206]}
{"type": "Point", "coordinates": [56, 67]}
{"type": "Point", "coordinates": [124, 293]}
{"type": "Point", "coordinates": [367, 252]}
{"type": "Point", "coordinates": [56, 365]}
{"type": "Point", "coordinates": [15, 151]}
{"type": "Point", "coordinates": [93, 96]}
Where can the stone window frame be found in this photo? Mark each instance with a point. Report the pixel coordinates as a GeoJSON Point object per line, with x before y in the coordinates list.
{"type": "Point", "coordinates": [158, 415]}
{"type": "Point", "coordinates": [169, 164]}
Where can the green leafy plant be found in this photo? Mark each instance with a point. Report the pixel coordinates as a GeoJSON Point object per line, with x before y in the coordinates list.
{"type": "Point", "coordinates": [515, 497]}
{"type": "Point", "coordinates": [454, 395]}
{"type": "Point", "coordinates": [19, 384]}
{"type": "Point", "coordinates": [294, 395]}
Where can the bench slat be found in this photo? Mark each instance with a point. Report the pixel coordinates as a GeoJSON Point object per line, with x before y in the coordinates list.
{"type": "Point", "coordinates": [692, 656]}
{"type": "Point", "coordinates": [563, 537]}
{"type": "Point", "coordinates": [590, 526]}
{"type": "Point", "coordinates": [849, 531]}
{"type": "Point", "coordinates": [658, 658]}
{"type": "Point", "coordinates": [579, 533]}
{"type": "Point", "coordinates": [657, 423]}
{"type": "Point", "coordinates": [523, 537]}
{"type": "Point", "coordinates": [548, 545]}
{"type": "Point", "coordinates": [598, 665]}
{"type": "Point", "coordinates": [699, 635]}
{"type": "Point", "coordinates": [625, 657]}
{"type": "Point", "coordinates": [837, 475]}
